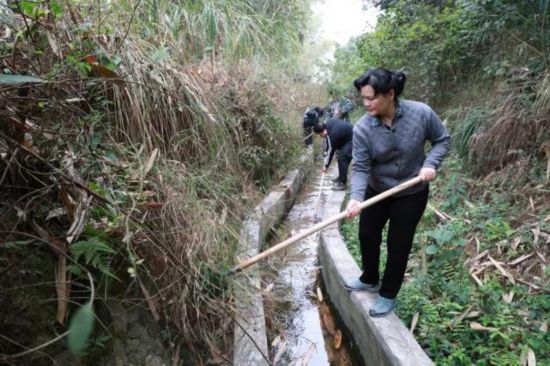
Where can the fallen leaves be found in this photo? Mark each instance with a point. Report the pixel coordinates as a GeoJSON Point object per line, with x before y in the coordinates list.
{"type": "Point", "coordinates": [502, 270]}
{"type": "Point", "coordinates": [280, 350]}
{"type": "Point", "coordinates": [520, 259]}
{"type": "Point", "coordinates": [507, 298]}
{"type": "Point", "coordinates": [319, 294]}
{"type": "Point", "coordinates": [466, 314]}
{"type": "Point", "coordinates": [277, 340]}
{"type": "Point", "coordinates": [528, 358]}
{"type": "Point", "coordinates": [477, 326]}
{"type": "Point", "coordinates": [329, 323]}
{"type": "Point", "coordinates": [309, 354]}
{"type": "Point", "coordinates": [337, 339]}
{"type": "Point", "coordinates": [476, 279]}
{"type": "Point", "coordinates": [527, 268]}
{"type": "Point", "coordinates": [268, 289]}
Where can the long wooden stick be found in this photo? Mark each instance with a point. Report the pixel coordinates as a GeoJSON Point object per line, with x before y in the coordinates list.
{"type": "Point", "coordinates": [318, 199]}
{"type": "Point", "coordinates": [274, 249]}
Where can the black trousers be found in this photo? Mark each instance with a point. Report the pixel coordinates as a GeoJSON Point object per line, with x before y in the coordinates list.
{"type": "Point", "coordinates": [343, 164]}
{"type": "Point", "coordinates": [403, 213]}
{"type": "Point", "coordinates": [308, 135]}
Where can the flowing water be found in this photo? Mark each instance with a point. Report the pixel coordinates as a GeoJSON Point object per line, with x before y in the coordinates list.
{"type": "Point", "coordinates": [301, 328]}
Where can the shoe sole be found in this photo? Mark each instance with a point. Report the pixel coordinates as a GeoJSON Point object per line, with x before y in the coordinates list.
{"type": "Point", "coordinates": [374, 290]}
{"type": "Point", "coordinates": [379, 315]}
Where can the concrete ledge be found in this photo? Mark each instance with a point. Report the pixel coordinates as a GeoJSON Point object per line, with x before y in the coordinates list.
{"type": "Point", "coordinates": [250, 339]}
{"type": "Point", "coordinates": [381, 341]}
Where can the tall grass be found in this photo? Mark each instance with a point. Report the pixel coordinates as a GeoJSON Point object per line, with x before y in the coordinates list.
{"type": "Point", "coordinates": [467, 122]}
{"type": "Point", "coordinates": [236, 30]}
{"type": "Point", "coordinates": [186, 81]}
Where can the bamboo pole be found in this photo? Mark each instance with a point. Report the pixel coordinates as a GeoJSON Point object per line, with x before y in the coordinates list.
{"type": "Point", "coordinates": [274, 249]}
{"type": "Point", "coordinates": [318, 199]}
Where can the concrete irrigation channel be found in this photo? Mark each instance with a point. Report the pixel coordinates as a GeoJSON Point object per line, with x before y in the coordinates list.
{"type": "Point", "coordinates": [284, 304]}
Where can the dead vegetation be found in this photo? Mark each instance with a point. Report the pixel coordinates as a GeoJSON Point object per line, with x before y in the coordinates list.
{"type": "Point", "coordinates": [515, 130]}
{"type": "Point", "coordinates": [117, 160]}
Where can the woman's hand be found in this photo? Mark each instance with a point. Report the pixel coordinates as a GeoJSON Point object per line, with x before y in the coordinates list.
{"type": "Point", "coordinates": [353, 208]}
{"type": "Point", "coordinates": [324, 170]}
{"type": "Point", "coordinates": [427, 174]}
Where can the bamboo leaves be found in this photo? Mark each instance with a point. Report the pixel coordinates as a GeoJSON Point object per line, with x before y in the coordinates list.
{"type": "Point", "coordinates": [82, 325]}
{"type": "Point", "coordinates": [18, 79]}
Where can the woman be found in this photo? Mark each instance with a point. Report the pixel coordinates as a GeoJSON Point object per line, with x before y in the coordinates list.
{"type": "Point", "coordinates": [388, 149]}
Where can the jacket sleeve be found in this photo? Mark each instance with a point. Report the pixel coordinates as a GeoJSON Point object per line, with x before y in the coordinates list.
{"type": "Point", "coordinates": [361, 168]}
{"type": "Point", "coordinates": [440, 139]}
{"type": "Point", "coordinates": [329, 150]}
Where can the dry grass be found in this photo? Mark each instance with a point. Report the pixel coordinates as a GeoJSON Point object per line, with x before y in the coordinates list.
{"type": "Point", "coordinates": [220, 144]}
{"type": "Point", "coordinates": [514, 130]}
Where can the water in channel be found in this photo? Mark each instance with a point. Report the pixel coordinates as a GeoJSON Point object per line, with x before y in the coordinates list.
{"type": "Point", "coordinates": [301, 328]}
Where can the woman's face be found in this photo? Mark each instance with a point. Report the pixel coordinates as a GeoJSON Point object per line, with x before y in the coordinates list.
{"type": "Point", "coordinates": [377, 105]}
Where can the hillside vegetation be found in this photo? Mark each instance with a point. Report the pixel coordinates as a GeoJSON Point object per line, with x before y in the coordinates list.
{"type": "Point", "coordinates": [133, 137]}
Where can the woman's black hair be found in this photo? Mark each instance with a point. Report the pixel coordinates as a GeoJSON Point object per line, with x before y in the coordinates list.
{"type": "Point", "coordinates": [382, 81]}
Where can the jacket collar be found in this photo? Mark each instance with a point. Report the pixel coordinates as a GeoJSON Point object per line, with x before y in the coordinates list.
{"type": "Point", "coordinates": [375, 121]}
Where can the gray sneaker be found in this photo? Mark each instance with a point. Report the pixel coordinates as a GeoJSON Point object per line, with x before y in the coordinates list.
{"type": "Point", "coordinates": [382, 307]}
{"type": "Point", "coordinates": [358, 285]}
{"type": "Point", "coordinates": [338, 186]}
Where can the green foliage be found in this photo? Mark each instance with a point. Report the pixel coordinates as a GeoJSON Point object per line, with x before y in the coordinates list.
{"type": "Point", "coordinates": [80, 329]}
{"type": "Point", "coordinates": [18, 244]}
{"type": "Point", "coordinates": [30, 8]}
{"type": "Point", "coordinates": [466, 127]}
{"type": "Point", "coordinates": [269, 143]}
{"type": "Point", "coordinates": [93, 252]}
{"type": "Point", "coordinates": [416, 38]}
{"type": "Point", "coordinates": [347, 66]}
{"type": "Point", "coordinates": [497, 229]}
{"type": "Point", "coordinates": [127, 77]}
{"type": "Point", "coordinates": [349, 230]}
{"type": "Point", "coordinates": [55, 8]}
{"type": "Point", "coordinates": [441, 44]}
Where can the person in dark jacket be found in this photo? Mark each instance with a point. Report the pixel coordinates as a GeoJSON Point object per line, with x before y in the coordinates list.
{"type": "Point", "coordinates": [388, 149]}
{"type": "Point", "coordinates": [345, 107]}
{"type": "Point", "coordinates": [312, 117]}
{"type": "Point", "coordinates": [338, 136]}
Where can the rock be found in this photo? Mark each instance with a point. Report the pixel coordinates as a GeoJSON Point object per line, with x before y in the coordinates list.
{"type": "Point", "coordinates": [137, 339]}
{"type": "Point", "coordinates": [67, 358]}
{"type": "Point", "coordinates": [154, 360]}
